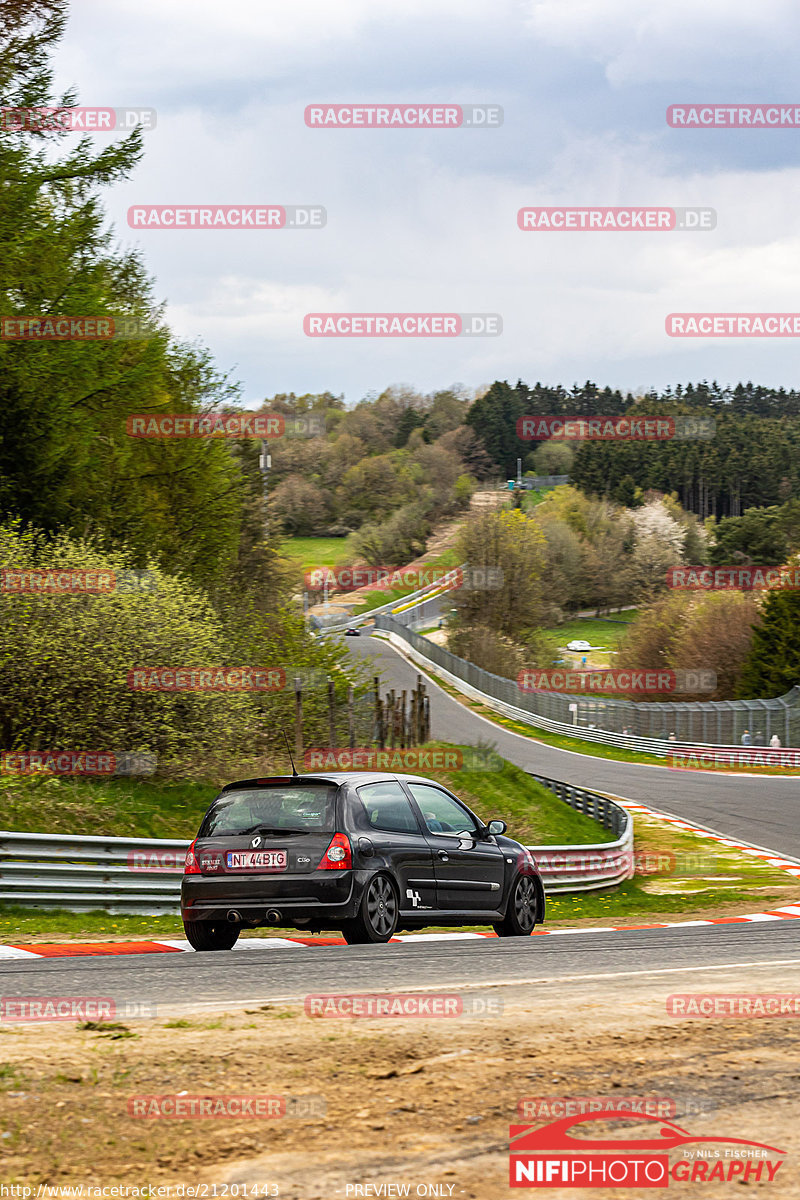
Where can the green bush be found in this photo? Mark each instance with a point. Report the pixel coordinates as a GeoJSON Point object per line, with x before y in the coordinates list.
{"type": "Point", "coordinates": [65, 659]}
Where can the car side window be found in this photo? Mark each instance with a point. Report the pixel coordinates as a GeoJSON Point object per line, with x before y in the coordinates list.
{"type": "Point", "coordinates": [387, 807]}
{"type": "Point", "coordinates": [440, 812]}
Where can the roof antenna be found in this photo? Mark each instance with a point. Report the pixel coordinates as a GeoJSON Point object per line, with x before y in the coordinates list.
{"type": "Point", "coordinates": [291, 760]}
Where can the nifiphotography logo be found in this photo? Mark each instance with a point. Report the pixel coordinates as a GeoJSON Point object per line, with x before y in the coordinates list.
{"type": "Point", "coordinates": [561, 1154]}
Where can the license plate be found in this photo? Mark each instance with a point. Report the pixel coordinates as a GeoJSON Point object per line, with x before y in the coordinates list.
{"type": "Point", "coordinates": [256, 860]}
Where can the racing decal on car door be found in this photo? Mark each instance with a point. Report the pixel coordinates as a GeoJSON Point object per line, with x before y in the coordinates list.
{"type": "Point", "coordinates": [416, 899]}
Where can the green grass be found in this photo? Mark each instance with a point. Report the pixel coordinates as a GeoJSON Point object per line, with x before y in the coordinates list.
{"type": "Point", "coordinates": [127, 808]}
{"type": "Point", "coordinates": [534, 496]}
{"type": "Point", "coordinates": [25, 923]}
{"type": "Point", "coordinates": [598, 633]}
{"type": "Point", "coordinates": [534, 814]}
{"type": "Point", "coordinates": [104, 807]}
{"type": "Point", "coordinates": [312, 552]}
{"type": "Point", "coordinates": [718, 877]}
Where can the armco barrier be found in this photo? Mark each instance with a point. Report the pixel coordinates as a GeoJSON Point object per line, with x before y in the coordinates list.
{"type": "Point", "coordinates": [587, 868]}
{"type": "Point", "coordinates": [393, 607]}
{"type": "Point", "coordinates": [718, 723]}
{"type": "Point", "coordinates": [84, 873]}
{"type": "Point", "coordinates": [79, 874]}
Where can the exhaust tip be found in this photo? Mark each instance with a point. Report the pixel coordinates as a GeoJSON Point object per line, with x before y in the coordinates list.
{"type": "Point", "coordinates": [234, 917]}
{"type": "Point", "coordinates": [273, 916]}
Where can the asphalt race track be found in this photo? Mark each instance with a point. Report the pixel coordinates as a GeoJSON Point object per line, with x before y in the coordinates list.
{"type": "Point", "coordinates": [191, 982]}
{"type": "Point", "coordinates": [762, 810]}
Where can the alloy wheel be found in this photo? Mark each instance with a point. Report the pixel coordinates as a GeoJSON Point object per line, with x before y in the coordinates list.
{"type": "Point", "coordinates": [381, 905]}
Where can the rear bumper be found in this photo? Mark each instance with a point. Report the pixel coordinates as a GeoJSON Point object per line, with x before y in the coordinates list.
{"type": "Point", "coordinates": [325, 896]}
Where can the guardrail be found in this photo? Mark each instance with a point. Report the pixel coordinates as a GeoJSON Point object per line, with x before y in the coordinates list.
{"type": "Point", "coordinates": [133, 875]}
{"type": "Point", "coordinates": [84, 873]}
{"type": "Point", "coordinates": [429, 592]}
{"type": "Point", "coordinates": [587, 868]}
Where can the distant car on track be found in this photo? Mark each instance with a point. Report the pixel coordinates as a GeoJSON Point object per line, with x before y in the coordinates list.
{"type": "Point", "coordinates": [365, 853]}
{"type": "Point", "coordinates": [351, 631]}
{"type": "Point", "coordinates": [578, 645]}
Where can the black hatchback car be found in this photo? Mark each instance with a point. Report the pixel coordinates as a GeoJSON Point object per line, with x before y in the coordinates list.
{"type": "Point", "coordinates": [367, 854]}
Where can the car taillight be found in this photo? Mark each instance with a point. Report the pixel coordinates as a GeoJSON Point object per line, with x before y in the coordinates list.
{"type": "Point", "coordinates": [191, 866]}
{"type": "Point", "coordinates": [338, 856]}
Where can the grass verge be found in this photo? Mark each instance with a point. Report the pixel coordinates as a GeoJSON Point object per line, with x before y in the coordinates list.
{"type": "Point", "coordinates": [103, 807]}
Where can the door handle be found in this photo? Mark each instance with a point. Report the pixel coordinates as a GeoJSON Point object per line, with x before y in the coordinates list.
{"type": "Point", "coordinates": [444, 856]}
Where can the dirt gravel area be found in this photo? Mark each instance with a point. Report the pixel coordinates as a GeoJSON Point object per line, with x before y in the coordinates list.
{"type": "Point", "coordinates": [423, 1103]}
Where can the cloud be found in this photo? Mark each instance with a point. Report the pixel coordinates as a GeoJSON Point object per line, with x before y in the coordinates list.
{"type": "Point", "coordinates": [678, 42]}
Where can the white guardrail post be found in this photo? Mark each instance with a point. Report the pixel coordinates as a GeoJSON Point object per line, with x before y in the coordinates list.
{"type": "Point", "coordinates": [143, 875]}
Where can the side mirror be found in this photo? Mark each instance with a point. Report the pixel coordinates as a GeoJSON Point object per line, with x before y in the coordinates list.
{"type": "Point", "coordinates": [496, 827]}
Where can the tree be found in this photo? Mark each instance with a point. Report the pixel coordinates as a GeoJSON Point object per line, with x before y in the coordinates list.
{"type": "Point", "coordinates": [515, 545]}
{"type": "Point", "coordinates": [553, 458]}
{"type": "Point", "coordinates": [773, 664]}
{"type": "Point", "coordinates": [409, 419]}
{"type": "Point", "coordinates": [66, 459]}
{"type": "Point", "coordinates": [302, 507]}
{"type": "Point", "coordinates": [659, 541]}
{"type": "Point", "coordinates": [493, 417]}
{"type": "Point", "coordinates": [755, 537]}
{"type": "Point", "coordinates": [626, 492]}
{"type": "Point", "coordinates": [694, 632]}
{"type": "Point", "coordinates": [396, 540]}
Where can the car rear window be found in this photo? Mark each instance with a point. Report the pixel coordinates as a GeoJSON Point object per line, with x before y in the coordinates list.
{"type": "Point", "coordinates": [305, 808]}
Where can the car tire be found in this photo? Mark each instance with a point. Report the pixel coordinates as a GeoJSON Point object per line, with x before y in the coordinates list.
{"type": "Point", "coordinates": [211, 935]}
{"type": "Point", "coordinates": [377, 916]}
{"type": "Point", "coordinates": [521, 910]}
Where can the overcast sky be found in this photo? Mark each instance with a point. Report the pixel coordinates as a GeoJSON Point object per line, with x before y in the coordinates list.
{"type": "Point", "coordinates": [425, 220]}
